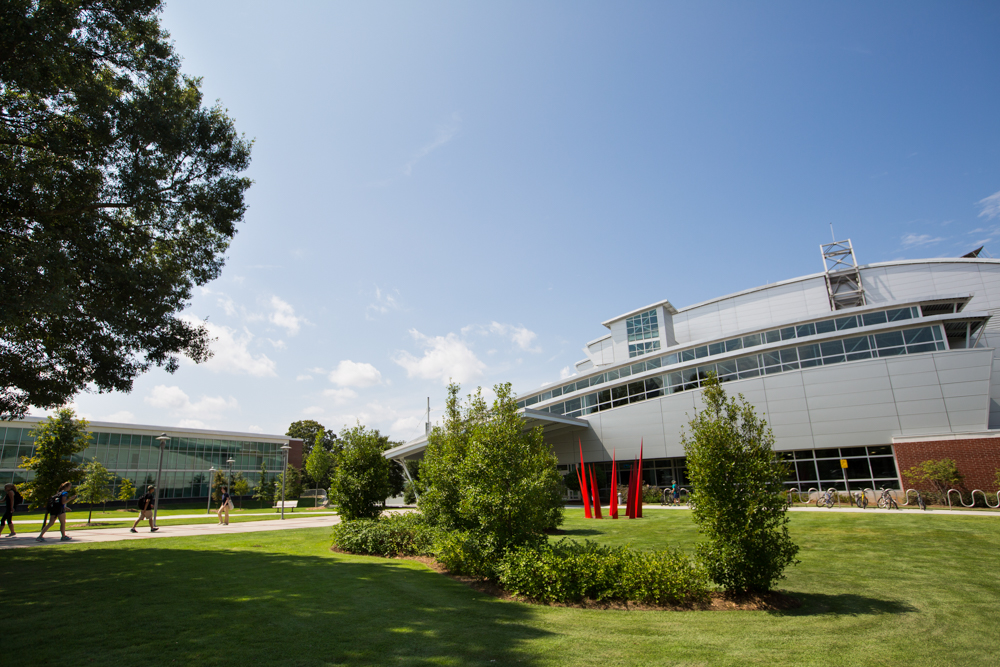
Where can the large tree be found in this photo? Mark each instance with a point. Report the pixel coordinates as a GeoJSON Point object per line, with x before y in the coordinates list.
{"type": "Point", "coordinates": [312, 433]}
{"type": "Point", "coordinates": [57, 439]}
{"type": "Point", "coordinates": [360, 483]}
{"type": "Point", "coordinates": [119, 193]}
{"type": "Point", "coordinates": [96, 486]}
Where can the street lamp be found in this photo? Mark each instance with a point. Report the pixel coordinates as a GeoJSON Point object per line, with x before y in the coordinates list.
{"type": "Point", "coordinates": [284, 473]}
{"type": "Point", "coordinates": [208, 505]}
{"type": "Point", "coordinates": [163, 439]}
{"type": "Point", "coordinates": [229, 488]}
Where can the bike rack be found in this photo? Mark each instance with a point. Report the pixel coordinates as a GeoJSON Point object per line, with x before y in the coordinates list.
{"type": "Point", "coordinates": [798, 493]}
{"type": "Point", "coordinates": [906, 495]}
{"type": "Point", "coordinates": [951, 491]}
{"type": "Point", "coordinates": [835, 493]}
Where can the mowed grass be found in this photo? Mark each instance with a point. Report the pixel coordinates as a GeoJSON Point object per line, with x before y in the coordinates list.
{"type": "Point", "coordinates": [876, 589]}
{"type": "Point", "coordinates": [32, 523]}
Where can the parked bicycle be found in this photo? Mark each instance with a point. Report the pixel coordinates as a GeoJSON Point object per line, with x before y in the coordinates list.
{"type": "Point", "coordinates": [861, 499]}
{"type": "Point", "coordinates": [827, 498]}
{"type": "Point", "coordinates": [886, 501]}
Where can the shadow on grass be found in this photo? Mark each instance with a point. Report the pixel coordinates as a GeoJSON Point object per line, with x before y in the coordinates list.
{"type": "Point", "coordinates": [129, 606]}
{"type": "Point", "coordinates": [845, 604]}
{"type": "Point", "coordinates": [574, 532]}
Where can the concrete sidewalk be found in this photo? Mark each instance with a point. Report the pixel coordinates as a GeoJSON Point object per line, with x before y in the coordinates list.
{"type": "Point", "coordinates": [52, 538]}
{"type": "Point", "coordinates": [870, 510]}
{"type": "Point", "coordinates": [29, 518]}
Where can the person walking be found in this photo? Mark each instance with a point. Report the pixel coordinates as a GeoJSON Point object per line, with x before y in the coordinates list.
{"type": "Point", "coordinates": [676, 491]}
{"type": "Point", "coordinates": [11, 499]}
{"type": "Point", "coordinates": [146, 510]}
{"type": "Point", "coordinates": [224, 507]}
{"type": "Point", "coordinates": [57, 510]}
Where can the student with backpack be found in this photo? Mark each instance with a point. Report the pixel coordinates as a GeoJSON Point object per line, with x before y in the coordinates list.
{"type": "Point", "coordinates": [146, 510]}
{"type": "Point", "coordinates": [12, 499]}
{"type": "Point", "coordinates": [227, 503]}
{"type": "Point", "coordinates": [56, 508]}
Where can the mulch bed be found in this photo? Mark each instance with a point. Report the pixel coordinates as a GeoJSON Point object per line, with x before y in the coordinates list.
{"type": "Point", "coordinates": [773, 601]}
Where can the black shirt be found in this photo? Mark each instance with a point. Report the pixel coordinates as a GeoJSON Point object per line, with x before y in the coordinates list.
{"type": "Point", "coordinates": [146, 502]}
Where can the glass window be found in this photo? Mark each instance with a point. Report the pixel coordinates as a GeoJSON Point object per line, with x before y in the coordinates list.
{"type": "Point", "coordinates": [734, 344]}
{"type": "Point", "coordinates": [530, 401]}
{"type": "Point", "coordinates": [772, 336]}
{"type": "Point", "coordinates": [726, 369]}
{"type": "Point", "coordinates": [604, 396]}
{"type": "Point", "coordinates": [787, 333]}
{"type": "Point", "coordinates": [638, 368]}
{"type": "Point", "coordinates": [806, 471]}
{"type": "Point", "coordinates": [716, 348]}
{"type": "Point", "coordinates": [772, 358]}
{"type": "Point", "coordinates": [874, 318]}
{"type": "Point", "coordinates": [921, 335]}
{"type": "Point", "coordinates": [703, 371]}
{"type": "Point", "coordinates": [609, 376]}
{"type": "Point", "coordinates": [624, 372]}
{"type": "Point", "coordinates": [636, 388]}
{"type": "Point", "coordinates": [921, 347]}
{"type": "Point", "coordinates": [891, 351]}
{"type": "Point", "coordinates": [826, 326]}
{"type": "Point", "coordinates": [557, 392]}
{"type": "Point", "coordinates": [846, 323]}
{"type": "Point", "coordinates": [789, 356]}
{"type": "Point", "coordinates": [675, 379]}
{"type": "Point", "coordinates": [751, 341]}
{"type": "Point", "coordinates": [748, 366]}
{"type": "Point", "coordinates": [670, 359]}
{"type": "Point", "coordinates": [888, 339]}
{"type": "Point", "coordinates": [545, 396]}
{"type": "Point", "coordinates": [858, 469]}
{"type": "Point", "coordinates": [805, 330]}
{"type": "Point", "coordinates": [652, 363]}
{"type": "Point", "coordinates": [829, 470]}
{"type": "Point", "coordinates": [831, 347]}
{"type": "Point", "coordinates": [701, 352]}
{"type": "Point", "coordinates": [882, 466]}
{"type": "Point", "coordinates": [654, 386]}
{"type": "Point", "coordinates": [898, 314]}
{"type": "Point", "coordinates": [808, 351]}
{"type": "Point", "coordinates": [572, 405]}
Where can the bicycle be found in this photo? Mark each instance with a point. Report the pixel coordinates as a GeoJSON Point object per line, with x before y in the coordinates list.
{"type": "Point", "coordinates": [861, 499]}
{"type": "Point", "coordinates": [827, 499]}
{"type": "Point", "coordinates": [886, 501]}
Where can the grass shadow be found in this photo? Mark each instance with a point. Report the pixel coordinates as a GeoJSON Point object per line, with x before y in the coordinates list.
{"type": "Point", "coordinates": [162, 605]}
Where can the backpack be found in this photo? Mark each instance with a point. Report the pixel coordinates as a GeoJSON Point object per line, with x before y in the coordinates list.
{"type": "Point", "coordinates": [55, 506]}
{"type": "Point", "coordinates": [18, 498]}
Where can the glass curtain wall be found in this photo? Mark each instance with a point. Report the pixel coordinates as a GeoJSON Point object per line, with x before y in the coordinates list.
{"type": "Point", "coordinates": [186, 460]}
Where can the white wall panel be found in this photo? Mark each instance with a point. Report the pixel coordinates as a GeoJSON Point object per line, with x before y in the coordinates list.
{"type": "Point", "coordinates": [928, 406]}
{"type": "Point", "coordinates": [975, 388]}
{"type": "Point", "coordinates": [920, 393]}
{"type": "Point", "coordinates": [931, 422]}
{"type": "Point", "coordinates": [973, 420]}
{"type": "Point", "coordinates": [914, 380]}
{"type": "Point", "coordinates": [965, 374]}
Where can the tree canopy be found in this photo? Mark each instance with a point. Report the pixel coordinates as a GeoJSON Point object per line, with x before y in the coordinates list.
{"type": "Point", "coordinates": [311, 433]}
{"type": "Point", "coordinates": [360, 483]}
{"type": "Point", "coordinates": [119, 193]}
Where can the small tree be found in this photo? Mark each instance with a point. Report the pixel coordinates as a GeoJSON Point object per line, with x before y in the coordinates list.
{"type": "Point", "coordinates": [319, 465]}
{"type": "Point", "coordinates": [940, 474]}
{"type": "Point", "coordinates": [264, 490]}
{"type": "Point", "coordinates": [241, 487]}
{"type": "Point", "coordinates": [218, 481]}
{"type": "Point", "coordinates": [126, 491]}
{"type": "Point", "coordinates": [96, 486]}
{"type": "Point", "coordinates": [740, 506]}
{"type": "Point", "coordinates": [360, 484]}
{"type": "Point", "coordinates": [292, 481]}
{"type": "Point", "coordinates": [57, 439]}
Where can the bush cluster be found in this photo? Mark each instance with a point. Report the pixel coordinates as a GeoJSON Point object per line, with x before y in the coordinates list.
{"type": "Point", "coordinates": [388, 536]}
{"type": "Point", "coordinates": [570, 572]}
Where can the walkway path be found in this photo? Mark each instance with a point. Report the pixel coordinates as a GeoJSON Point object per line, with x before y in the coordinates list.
{"type": "Point", "coordinates": [30, 518]}
{"type": "Point", "coordinates": [871, 510]}
{"type": "Point", "coordinates": [27, 539]}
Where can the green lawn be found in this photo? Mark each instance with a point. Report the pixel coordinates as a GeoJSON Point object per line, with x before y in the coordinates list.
{"type": "Point", "coordinates": [877, 590]}
{"type": "Point", "coordinates": [32, 521]}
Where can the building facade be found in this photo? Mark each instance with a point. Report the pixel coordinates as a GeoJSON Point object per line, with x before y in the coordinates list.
{"type": "Point", "coordinates": [883, 365]}
{"type": "Point", "coordinates": [131, 451]}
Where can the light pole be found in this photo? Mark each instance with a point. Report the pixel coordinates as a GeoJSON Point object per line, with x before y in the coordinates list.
{"type": "Point", "coordinates": [208, 505]}
{"type": "Point", "coordinates": [229, 488]}
{"type": "Point", "coordinates": [284, 473]}
{"type": "Point", "coordinates": [163, 439]}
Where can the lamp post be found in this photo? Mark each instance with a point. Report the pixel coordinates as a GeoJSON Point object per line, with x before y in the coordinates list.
{"type": "Point", "coordinates": [284, 473]}
{"type": "Point", "coordinates": [208, 505]}
{"type": "Point", "coordinates": [163, 439]}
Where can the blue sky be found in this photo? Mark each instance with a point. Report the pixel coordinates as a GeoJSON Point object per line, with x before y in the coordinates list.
{"type": "Point", "coordinates": [468, 189]}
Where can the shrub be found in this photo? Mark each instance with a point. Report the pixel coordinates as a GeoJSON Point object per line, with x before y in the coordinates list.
{"type": "Point", "coordinates": [941, 475]}
{"type": "Point", "coordinates": [464, 552]}
{"type": "Point", "coordinates": [570, 572]}
{"type": "Point", "coordinates": [652, 494]}
{"type": "Point", "coordinates": [360, 484]}
{"type": "Point", "coordinates": [740, 504]}
{"type": "Point", "coordinates": [394, 535]}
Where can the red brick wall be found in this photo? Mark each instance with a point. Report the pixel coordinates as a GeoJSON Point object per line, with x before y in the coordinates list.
{"type": "Point", "coordinates": [977, 459]}
{"type": "Point", "coordinates": [295, 453]}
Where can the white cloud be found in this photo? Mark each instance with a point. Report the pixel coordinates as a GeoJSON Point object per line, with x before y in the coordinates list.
{"type": "Point", "coordinates": [445, 133]}
{"type": "Point", "coordinates": [253, 428]}
{"type": "Point", "coordinates": [384, 302]}
{"type": "Point", "coordinates": [284, 316]}
{"type": "Point", "coordinates": [566, 373]}
{"type": "Point", "coordinates": [192, 423]}
{"type": "Point", "coordinates": [122, 417]}
{"type": "Point", "coordinates": [352, 374]}
{"type": "Point", "coordinates": [277, 344]}
{"type": "Point", "coordinates": [340, 396]}
{"type": "Point", "coordinates": [990, 206]}
{"type": "Point", "coordinates": [303, 377]}
{"type": "Point", "coordinates": [521, 336]}
{"type": "Point", "coordinates": [915, 241]}
{"type": "Point", "coordinates": [444, 357]}
{"type": "Point", "coordinates": [175, 401]}
{"type": "Point", "coordinates": [232, 354]}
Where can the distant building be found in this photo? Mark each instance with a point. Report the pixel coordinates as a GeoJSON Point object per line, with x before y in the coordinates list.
{"type": "Point", "coordinates": [883, 365]}
{"type": "Point", "coordinates": [131, 451]}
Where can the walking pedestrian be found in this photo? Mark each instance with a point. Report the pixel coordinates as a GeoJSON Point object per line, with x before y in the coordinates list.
{"type": "Point", "coordinates": [11, 499]}
{"type": "Point", "coordinates": [224, 507]}
{"type": "Point", "coordinates": [676, 491]}
{"type": "Point", "coordinates": [57, 510]}
{"type": "Point", "coordinates": [146, 510]}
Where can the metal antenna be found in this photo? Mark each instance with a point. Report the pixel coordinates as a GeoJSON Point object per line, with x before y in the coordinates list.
{"type": "Point", "coordinates": [427, 426]}
{"type": "Point", "coordinates": [832, 237]}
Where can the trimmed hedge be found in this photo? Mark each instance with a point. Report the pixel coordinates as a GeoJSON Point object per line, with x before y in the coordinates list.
{"type": "Point", "coordinates": [570, 572]}
{"type": "Point", "coordinates": [392, 535]}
